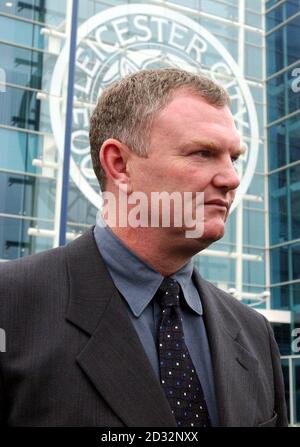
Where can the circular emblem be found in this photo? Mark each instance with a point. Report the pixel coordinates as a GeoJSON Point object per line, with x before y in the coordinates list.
{"type": "Point", "coordinates": [128, 38]}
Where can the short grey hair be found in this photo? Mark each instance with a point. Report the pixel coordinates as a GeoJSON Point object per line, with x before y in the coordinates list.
{"type": "Point", "coordinates": [125, 110]}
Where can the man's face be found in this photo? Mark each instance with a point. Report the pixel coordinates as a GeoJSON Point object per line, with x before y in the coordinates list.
{"type": "Point", "coordinates": [193, 148]}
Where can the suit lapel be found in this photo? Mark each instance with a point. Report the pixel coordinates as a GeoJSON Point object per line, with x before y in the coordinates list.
{"type": "Point", "coordinates": [235, 369]}
{"type": "Point", "coordinates": [113, 358]}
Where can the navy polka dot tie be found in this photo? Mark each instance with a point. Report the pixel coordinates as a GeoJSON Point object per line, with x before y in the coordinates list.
{"type": "Point", "coordinates": [177, 372]}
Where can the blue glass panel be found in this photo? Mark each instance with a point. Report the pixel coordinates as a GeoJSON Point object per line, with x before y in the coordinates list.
{"type": "Point", "coordinates": [277, 145]}
{"type": "Point", "coordinates": [279, 262]}
{"type": "Point", "coordinates": [283, 46]}
{"type": "Point", "coordinates": [295, 205]}
{"type": "Point", "coordinates": [53, 11]}
{"type": "Point", "coordinates": [293, 39]}
{"type": "Point", "coordinates": [254, 273]}
{"type": "Point", "coordinates": [275, 51]}
{"type": "Point", "coordinates": [295, 297]}
{"type": "Point", "coordinates": [14, 239]}
{"type": "Point", "coordinates": [257, 188]}
{"type": "Point", "coordinates": [79, 208]}
{"type": "Point", "coordinates": [254, 221]}
{"type": "Point", "coordinates": [282, 334]}
{"type": "Point", "coordinates": [296, 261]}
{"type": "Point", "coordinates": [292, 7]}
{"type": "Point", "coordinates": [280, 297]}
{"type": "Point", "coordinates": [270, 3]}
{"type": "Point", "coordinates": [278, 207]}
{"type": "Point", "coordinates": [275, 17]}
{"type": "Point", "coordinates": [20, 108]}
{"type": "Point", "coordinates": [218, 8]}
{"type": "Point", "coordinates": [208, 266]}
{"type": "Point", "coordinates": [292, 85]}
{"type": "Point", "coordinates": [253, 38]}
{"type": "Point", "coordinates": [230, 230]}
{"type": "Point", "coordinates": [254, 5]}
{"type": "Point", "coordinates": [253, 19]}
{"type": "Point", "coordinates": [281, 13]}
{"type": "Point", "coordinates": [23, 67]}
{"type": "Point", "coordinates": [17, 194]}
{"type": "Point", "coordinates": [285, 263]}
{"type": "Point", "coordinates": [276, 93]}
{"type": "Point", "coordinates": [284, 142]}
{"type": "Point", "coordinates": [293, 126]}
{"type": "Point", "coordinates": [21, 33]}
{"type": "Point", "coordinates": [27, 195]}
{"type": "Point", "coordinates": [253, 62]}
{"type": "Point", "coordinates": [283, 95]}
{"type": "Point", "coordinates": [18, 149]}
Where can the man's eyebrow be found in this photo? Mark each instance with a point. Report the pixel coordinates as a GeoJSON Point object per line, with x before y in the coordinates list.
{"type": "Point", "coordinates": [209, 144]}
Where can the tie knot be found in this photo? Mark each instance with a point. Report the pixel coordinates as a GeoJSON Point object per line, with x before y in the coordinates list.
{"type": "Point", "coordinates": [169, 292]}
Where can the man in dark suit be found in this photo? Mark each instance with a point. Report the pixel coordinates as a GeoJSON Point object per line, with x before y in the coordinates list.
{"type": "Point", "coordinates": [85, 323]}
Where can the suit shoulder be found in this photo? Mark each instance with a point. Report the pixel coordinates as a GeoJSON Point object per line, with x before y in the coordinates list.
{"type": "Point", "coordinates": [236, 307]}
{"type": "Point", "coordinates": [32, 272]}
{"type": "Point", "coordinates": [42, 271]}
{"type": "Point", "coordinates": [31, 263]}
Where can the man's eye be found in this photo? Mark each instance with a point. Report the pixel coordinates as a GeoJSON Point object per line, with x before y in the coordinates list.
{"type": "Point", "coordinates": [235, 160]}
{"type": "Point", "coordinates": [204, 153]}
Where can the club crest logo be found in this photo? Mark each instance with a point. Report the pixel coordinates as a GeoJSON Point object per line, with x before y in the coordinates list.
{"type": "Point", "coordinates": [128, 38]}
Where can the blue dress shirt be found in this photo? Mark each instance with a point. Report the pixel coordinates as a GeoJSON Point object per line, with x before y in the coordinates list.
{"type": "Point", "coordinates": [138, 282]}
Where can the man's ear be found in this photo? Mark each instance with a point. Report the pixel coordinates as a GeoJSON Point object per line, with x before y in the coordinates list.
{"type": "Point", "coordinates": [114, 157]}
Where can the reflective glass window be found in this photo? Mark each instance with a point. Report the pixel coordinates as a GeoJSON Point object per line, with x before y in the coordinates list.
{"type": "Point", "coordinates": [21, 33]}
{"type": "Point", "coordinates": [293, 39]}
{"type": "Point", "coordinates": [295, 205]}
{"type": "Point", "coordinates": [282, 334]}
{"type": "Point", "coordinates": [275, 17]}
{"type": "Point", "coordinates": [284, 142]}
{"type": "Point", "coordinates": [15, 241]}
{"type": "Point", "coordinates": [20, 108]}
{"type": "Point", "coordinates": [253, 272]}
{"type": "Point", "coordinates": [254, 221]}
{"type": "Point", "coordinates": [275, 51]}
{"type": "Point", "coordinates": [50, 11]}
{"type": "Point", "coordinates": [276, 92]}
{"type": "Point", "coordinates": [277, 145]}
{"type": "Point", "coordinates": [208, 266]}
{"type": "Point", "coordinates": [282, 12]}
{"type": "Point", "coordinates": [280, 297]}
{"type": "Point", "coordinates": [253, 19]}
{"type": "Point", "coordinates": [18, 149]}
{"type": "Point", "coordinates": [283, 94]}
{"type": "Point", "coordinates": [278, 204]}
{"type": "Point", "coordinates": [253, 61]}
{"type": "Point", "coordinates": [79, 208]}
{"type": "Point", "coordinates": [17, 194]}
{"type": "Point", "coordinates": [293, 134]}
{"type": "Point", "coordinates": [280, 271]}
{"type": "Point", "coordinates": [296, 261]}
{"type": "Point", "coordinates": [221, 9]}
{"type": "Point", "coordinates": [283, 46]}
{"type": "Point", "coordinates": [23, 67]}
{"type": "Point", "coordinates": [27, 195]}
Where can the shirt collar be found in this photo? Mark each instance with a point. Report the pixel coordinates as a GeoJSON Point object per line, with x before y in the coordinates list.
{"type": "Point", "coordinates": [135, 279]}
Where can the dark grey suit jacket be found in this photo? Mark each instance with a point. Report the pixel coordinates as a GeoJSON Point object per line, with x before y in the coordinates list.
{"type": "Point", "coordinates": [73, 357]}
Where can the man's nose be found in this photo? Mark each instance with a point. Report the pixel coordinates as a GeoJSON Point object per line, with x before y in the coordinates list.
{"type": "Point", "coordinates": [226, 177]}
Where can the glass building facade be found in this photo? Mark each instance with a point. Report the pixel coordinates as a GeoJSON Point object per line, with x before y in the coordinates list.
{"type": "Point", "coordinates": [250, 46]}
{"type": "Point", "coordinates": [283, 127]}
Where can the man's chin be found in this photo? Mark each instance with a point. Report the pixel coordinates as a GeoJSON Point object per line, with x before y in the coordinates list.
{"type": "Point", "coordinates": [212, 234]}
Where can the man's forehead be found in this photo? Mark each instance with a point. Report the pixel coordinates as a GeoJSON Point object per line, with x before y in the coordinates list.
{"type": "Point", "coordinates": [184, 103]}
